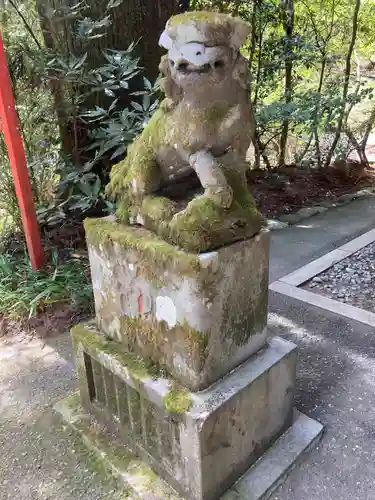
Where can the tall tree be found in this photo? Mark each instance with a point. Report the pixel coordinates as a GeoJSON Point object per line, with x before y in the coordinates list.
{"type": "Point", "coordinates": [287, 7]}
{"type": "Point", "coordinates": [112, 25]}
{"type": "Point", "coordinates": [345, 88]}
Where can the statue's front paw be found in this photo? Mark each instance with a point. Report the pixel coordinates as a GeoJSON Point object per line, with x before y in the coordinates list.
{"type": "Point", "coordinates": [158, 209]}
{"type": "Point", "coordinates": [190, 228]}
{"type": "Point", "coordinates": [222, 196]}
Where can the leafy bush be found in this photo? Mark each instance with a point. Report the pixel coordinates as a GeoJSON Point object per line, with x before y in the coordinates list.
{"type": "Point", "coordinates": [311, 97]}
{"type": "Point", "coordinates": [62, 96]}
{"type": "Point", "coordinates": [90, 107]}
{"type": "Point", "coordinates": [20, 30]}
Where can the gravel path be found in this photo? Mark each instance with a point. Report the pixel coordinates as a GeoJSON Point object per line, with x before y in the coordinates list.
{"type": "Point", "coordinates": [40, 459]}
{"type": "Point", "coordinates": [351, 280]}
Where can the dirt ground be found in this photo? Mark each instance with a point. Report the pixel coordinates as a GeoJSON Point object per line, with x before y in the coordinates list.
{"type": "Point", "coordinates": [285, 191]}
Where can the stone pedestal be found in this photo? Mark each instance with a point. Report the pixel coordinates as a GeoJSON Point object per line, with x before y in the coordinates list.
{"type": "Point", "coordinates": [201, 443]}
{"type": "Point", "coordinates": [177, 366]}
{"type": "Point", "coordinates": [199, 316]}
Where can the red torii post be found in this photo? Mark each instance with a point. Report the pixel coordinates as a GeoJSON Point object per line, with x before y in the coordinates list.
{"type": "Point", "coordinates": [10, 126]}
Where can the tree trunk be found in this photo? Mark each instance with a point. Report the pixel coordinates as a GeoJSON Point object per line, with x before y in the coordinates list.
{"type": "Point", "coordinates": [345, 90]}
{"type": "Point", "coordinates": [185, 4]}
{"type": "Point", "coordinates": [132, 21]}
{"type": "Point", "coordinates": [288, 6]}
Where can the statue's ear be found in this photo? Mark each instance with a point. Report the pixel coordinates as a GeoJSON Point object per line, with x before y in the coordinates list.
{"type": "Point", "coordinates": [240, 31]}
{"type": "Point", "coordinates": [170, 88]}
{"type": "Point", "coordinates": [164, 66]}
{"type": "Point", "coordinates": [165, 40]}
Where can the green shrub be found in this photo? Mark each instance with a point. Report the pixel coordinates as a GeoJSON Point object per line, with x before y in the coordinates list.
{"type": "Point", "coordinates": [27, 292]}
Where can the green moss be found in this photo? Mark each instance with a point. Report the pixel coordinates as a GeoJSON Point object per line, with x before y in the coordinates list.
{"type": "Point", "coordinates": [216, 114]}
{"type": "Point", "coordinates": [158, 207]}
{"type": "Point", "coordinates": [139, 368]}
{"type": "Point", "coordinates": [205, 224]}
{"type": "Point", "coordinates": [73, 403]}
{"type": "Point", "coordinates": [106, 456]}
{"type": "Point", "coordinates": [155, 255]}
{"type": "Point", "coordinates": [148, 477]}
{"type": "Point", "coordinates": [92, 445]}
{"type": "Point", "coordinates": [199, 16]}
{"type": "Point", "coordinates": [195, 228]}
{"type": "Point", "coordinates": [157, 211]}
{"type": "Point", "coordinates": [241, 194]}
{"type": "Point", "coordinates": [167, 127]}
{"type": "Point", "coordinates": [178, 399]}
{"type": "Point", "coordinates": [139, 168]}
{"type": "Point", "coordinates": [152, 334]}
{"type": "Point", "coordinates": [196, 337]}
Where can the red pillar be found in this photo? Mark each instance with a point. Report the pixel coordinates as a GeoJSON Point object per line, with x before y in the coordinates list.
{"type": "Point", "coordinates": [9, 124]}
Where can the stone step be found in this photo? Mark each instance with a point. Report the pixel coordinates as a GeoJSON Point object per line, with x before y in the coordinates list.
{"type": "Point", "coordinates": [141, 482]}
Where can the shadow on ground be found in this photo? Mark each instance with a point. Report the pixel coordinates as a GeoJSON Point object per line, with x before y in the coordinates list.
{"type": "Point", "coordinates": [40, 459]}
{"type": "Point", "coordinates": [336, 386]}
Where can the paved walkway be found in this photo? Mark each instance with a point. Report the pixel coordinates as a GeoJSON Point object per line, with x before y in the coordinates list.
{"type": "Point", "coordinates": [336, 372]}
{"type": "Point", "coordinates": [336, 385]}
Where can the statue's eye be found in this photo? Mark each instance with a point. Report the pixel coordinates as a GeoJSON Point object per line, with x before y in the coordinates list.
{"type": "Point", "coordinates": [199, 53]}
{"type": "Point", "coordinates": [219, 63]}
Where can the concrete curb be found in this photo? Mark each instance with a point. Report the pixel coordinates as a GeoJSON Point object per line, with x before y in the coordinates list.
{"type": "Point", "coordinates": [309, 211]}
{"type": "Point", "coordinates": [289, 285]}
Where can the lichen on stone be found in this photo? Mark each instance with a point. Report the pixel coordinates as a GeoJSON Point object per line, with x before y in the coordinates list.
{"type": "Point", "coordinates": [149, 336]}
{"type": "Point", "coordinates": [139, 368]}
{"type": "Point", "coordinates": [178, 399]}
{"type": "Point", "coordinates": [150, 249]}
{"type": "Point", "coordinates": [216, 113]}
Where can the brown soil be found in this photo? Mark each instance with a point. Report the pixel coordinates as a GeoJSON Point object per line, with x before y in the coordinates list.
{"type": "Point", "coordinates": [57, 319]}
{"type": "Point", "coordinates": [286, 190]}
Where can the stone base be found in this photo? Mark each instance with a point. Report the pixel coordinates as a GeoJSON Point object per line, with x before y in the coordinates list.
{"type": "Point", "coordinates": [197, 315]}
{"type": "Point", "coordinates": [200, 443]}
{"type": "Point", "coordinates": [258, 483]}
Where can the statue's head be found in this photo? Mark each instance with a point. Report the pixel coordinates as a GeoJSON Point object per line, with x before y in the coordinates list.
{"type": "Point", "coordinates": [203, 48]}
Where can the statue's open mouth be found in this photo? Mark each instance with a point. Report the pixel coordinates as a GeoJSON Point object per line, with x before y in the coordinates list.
{"type": "Point", "coordinates": [188, 68]}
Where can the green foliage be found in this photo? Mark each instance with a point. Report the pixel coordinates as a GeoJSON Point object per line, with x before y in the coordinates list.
{"type": "Point", "coordinates": [34, 101]}
{"type": "Point", "coordinates": [24, 291]}
{"type": "Point", "coordinates": [90, 105]}
{"type": "Point", "coordinates": [74, 121]}
{"type": "Point", "coordinates": [313, 40]}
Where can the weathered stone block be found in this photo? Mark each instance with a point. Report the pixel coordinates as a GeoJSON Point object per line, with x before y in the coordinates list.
{"type": "Point", "coordinates": [201, 443]}
{"type": "Point", "coordinates": [198, 315]}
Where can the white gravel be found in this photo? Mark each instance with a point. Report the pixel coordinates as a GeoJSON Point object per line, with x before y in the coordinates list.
{"type": "Point", "coordinates": [351, 280]}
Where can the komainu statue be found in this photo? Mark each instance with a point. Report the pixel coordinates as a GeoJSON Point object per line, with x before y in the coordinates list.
{"type": "Point", "coordinates": [184, 176]}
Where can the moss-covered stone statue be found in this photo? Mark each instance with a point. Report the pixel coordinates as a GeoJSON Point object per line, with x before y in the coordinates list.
{"type": "Point", "coordinates": [184, 176]}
